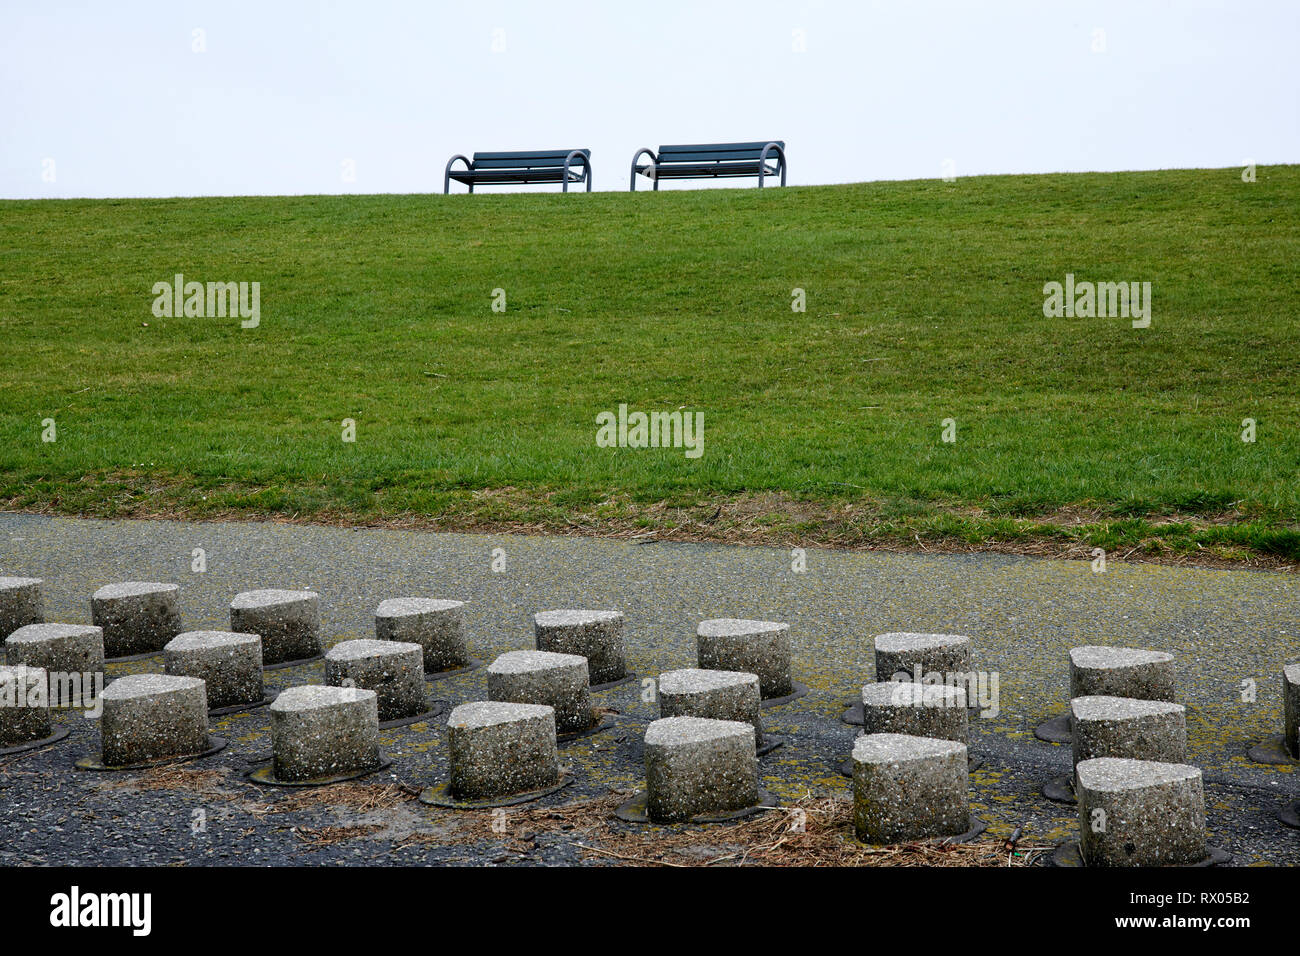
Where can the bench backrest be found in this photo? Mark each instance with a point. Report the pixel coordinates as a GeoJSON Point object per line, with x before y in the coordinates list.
{"type": "Point", "coordinates": [716, 152]}
{"type": "Point", "coordinates": [535, 159]}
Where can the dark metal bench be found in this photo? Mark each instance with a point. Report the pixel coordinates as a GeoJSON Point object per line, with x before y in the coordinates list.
{"type": "Point", "coordinates": [542, 166]}
{"type": "Point", "coordinates": [712, 161]}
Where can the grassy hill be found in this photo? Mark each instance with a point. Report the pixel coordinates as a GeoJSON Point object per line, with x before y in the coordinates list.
{"type": "Point", "coordinates": [924, 303]}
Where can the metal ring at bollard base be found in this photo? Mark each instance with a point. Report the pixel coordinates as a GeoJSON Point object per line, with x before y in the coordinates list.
{"type": "Point", "coordinates": [440, 795]}
{"type": "Point", "coordinates": [59, 733]}
{"type": "Point", "coordinates": [1068, 854]}
{"type": "Point", "coordinates": [636, 810]}
{"type": "Point", "coordinates": [265, 776]}
{"type": "Point", "coordinates": [215, 745]}
{"type": "Point", "coordinates": [1055, 730]}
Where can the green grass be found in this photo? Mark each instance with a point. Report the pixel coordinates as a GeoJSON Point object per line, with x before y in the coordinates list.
{"type": "Point", "coordinates": [924, 302]}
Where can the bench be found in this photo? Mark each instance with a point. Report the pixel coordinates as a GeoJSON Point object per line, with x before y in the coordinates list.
{"type": "Point", "coordinates": [543, 166]}
{"type": "Point", "coordinates": [712, 161]}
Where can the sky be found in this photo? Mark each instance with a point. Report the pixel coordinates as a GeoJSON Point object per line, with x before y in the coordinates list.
{"type": "Point", "coordinates": [184, 98]}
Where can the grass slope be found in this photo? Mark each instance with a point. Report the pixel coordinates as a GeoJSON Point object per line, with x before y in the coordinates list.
{"type": "Point", "coordinates": [924, 302]}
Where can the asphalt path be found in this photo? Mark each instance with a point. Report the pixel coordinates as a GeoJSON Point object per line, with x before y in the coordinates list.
{"type": "Point", "coordinates": [1231, 631]}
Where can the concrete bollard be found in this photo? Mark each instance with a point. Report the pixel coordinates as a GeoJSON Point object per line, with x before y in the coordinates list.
{"type": "Point", "coordinates": [899, 654]}
{"type": "Point", "coordinates": [717, 695]}
{"type": "Point", "coordinates": [500, 750]}
{"type": "Point", "coordinates": [696, 767]}
{"type": "Point", "coordinates": [63, 651]}
{"type": "Point", "coordinates": [909, 788]}
{"type": "Point", "coordinates": [752, 647]}
{"type": "Point", "coordinates": [229, 664]}
{"type": "Point", "coordinates": [24, 706]}
{"type": "Point", "coordinates": [595, 635]}
{"type": "Point", "coordinates": [1121, 672]}
{"type": "Point", "coordinates": [324, 734]}
{"type": "Point", "coordinates": [558, 681]}
{"type": "Point", "coordinates": [1140, 813]}
{"type": "Point", "coordinates": [153, 717]}
{"type": "Point", "coordinates": [394, 670]}
{"type": "Point", "coordinates": [287, 621]}
{"type": "Point", "coordinates": [437, 626]}
{"type": "Point", "coordinates": [137, 617]}
{"type": "Point", "coordinates": [20, 604]}
{"type": "Point", "coordinates": [1124, 727]}
{"type": "Point", "coordinates": [1291, 709]}
{"type": "Point", "coordinates": [916, 710]}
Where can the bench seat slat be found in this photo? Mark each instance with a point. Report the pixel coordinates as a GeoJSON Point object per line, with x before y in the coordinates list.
{"type": "Point", "coordinates": [731, 154]}
{"type": "Point", "coordinates": [547, 175]}
{"type": "Point", "coordinates": [715, 147]}
{"type": "Point", "coordinates": [577, 163]}
{"type": "Point", "coordinates": [555, 154]}
{"type": "Point", "coordinates": [706, 170]}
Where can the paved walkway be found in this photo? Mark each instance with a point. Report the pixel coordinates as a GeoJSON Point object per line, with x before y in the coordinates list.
{"type": "Point", "coordinates": [1022, 615]}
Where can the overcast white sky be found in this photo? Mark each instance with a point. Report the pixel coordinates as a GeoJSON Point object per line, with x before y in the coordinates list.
{"type": "Point", "coordinates": [115, 99]}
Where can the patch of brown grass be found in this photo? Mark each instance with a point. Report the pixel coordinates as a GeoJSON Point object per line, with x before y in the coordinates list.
{"type": "Point", "coordinates": [815, 833]}
{"type": "Point", "coordinates": [316, 837]}
{"type": "Point", "coordinates": [583, 819]}
{"type": "Point", "coordinates": [179, 777]}
{"type": "Point", "coordinates": [359, 797]}
{"type": "Point", "coordinates": [768, 518]}
{"type": "Point", "coordinates": [818, 833]}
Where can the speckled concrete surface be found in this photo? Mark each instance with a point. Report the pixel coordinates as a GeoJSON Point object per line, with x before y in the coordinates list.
{"type": "Point", "coordinates": [909, 788]}
{"type": "Point", "coordinates": [1148, 813]}
{"type": "Point", "coordinates": [1124, 727]}
{"type": "Point", "coordinates": [1023, 615]}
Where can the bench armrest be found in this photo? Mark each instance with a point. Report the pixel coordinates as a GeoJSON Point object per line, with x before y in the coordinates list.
{"type": "Point", "coordinates": [654, 160]}
{"type": "Point", "coordinates": [762, 161]}
{"type": "Point", "coordinates": [446, 178]}
{"type": "Point", "coordinates": [586, 162]}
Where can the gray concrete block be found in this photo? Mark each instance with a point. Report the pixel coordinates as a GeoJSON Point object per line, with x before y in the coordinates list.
{"type": "Point", "coordinates": [1121, 672]}
{"type": "Point", "coordinates": [287, 621]}
{"type": "Point", "coordinates": [1291, 708]}
{"type": "Point", "coordinates": [1140, 813]}
{"type": "Point", "coordinates": [1126, 727]}
{"type": "Point", "coordinates": [595, 635]}
{"type": "Point", "coordinates": [500, 749]}
{"type": "Point", "coordinates": [900, 653]}
{"type": "Point", "coordinates": [917, 710]}
{"type": "Point", "coordinates": [909, 788]}
{"type": "Point", "coordinates": [24, 705]}
{"type": "Point", "coordinates": [717, 695]}
{"type": "Point", "coordinates": [695, 766]}
{"type": "Point", "coordinates": [229, 664]}
{"type": "Point", "coordinates": [558, 681]}
{"type": "Point", "coordinates": [319, 732]}
{"type": "Point", "coordinates": [153, 716]}
{"type": "Point", "coordinates": [137, 617]}
{"type": "Point", "coordinates": [61, 649]}
{"type": "Point", "coordinates": [753, 647]}
{"type": "Point", "coordinates": [437, 626]}
{"type": "Point", "coordinates": [394, 670]}
{"type": "Point", "coordinates": [20, 604]}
